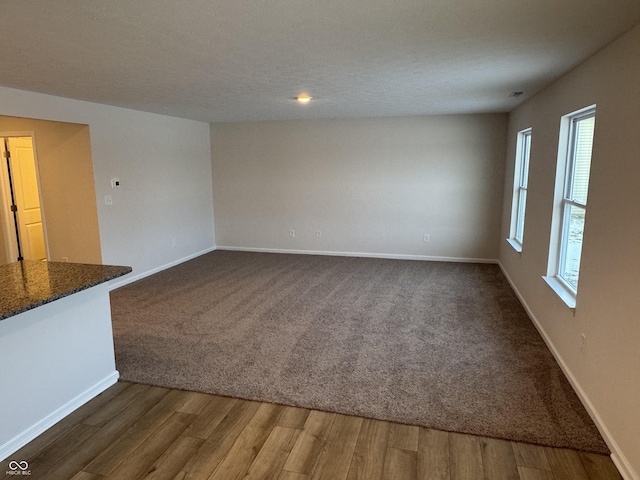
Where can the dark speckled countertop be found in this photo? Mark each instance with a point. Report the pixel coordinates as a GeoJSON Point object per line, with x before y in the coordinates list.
{"type": "Point", "coordinates": [29, 284]}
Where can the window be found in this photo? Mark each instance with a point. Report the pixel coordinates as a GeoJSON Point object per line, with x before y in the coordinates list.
{"type": "Point", "coordinates": [519, 201]}
{"type": "Point", "coordinates": [569, 217]}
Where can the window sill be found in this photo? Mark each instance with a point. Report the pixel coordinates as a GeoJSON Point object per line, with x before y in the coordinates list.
{"type": "Point", "coordinates": [516, 245]}
{"type": "Point", "coordinates": [566, 295]}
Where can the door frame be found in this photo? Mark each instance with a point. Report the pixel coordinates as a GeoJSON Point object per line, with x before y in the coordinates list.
{"type": "Point", "coordinates": [7, 223]}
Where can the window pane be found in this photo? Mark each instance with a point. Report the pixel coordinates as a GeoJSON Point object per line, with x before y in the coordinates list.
{"type": "Point", "coordinates": [582, 161]}
{"type": "Point", "coordinates": [522, 201]}
{"type": "Point", "coordinates": [521, 173]}
{"type": "Point", "coordinates": [572, 245]}
{"type": "Point", "coordinates": [526, 150]}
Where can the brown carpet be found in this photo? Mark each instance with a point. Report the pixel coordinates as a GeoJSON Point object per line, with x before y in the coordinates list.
{"type": "Point", "coordinates": [442, 345]}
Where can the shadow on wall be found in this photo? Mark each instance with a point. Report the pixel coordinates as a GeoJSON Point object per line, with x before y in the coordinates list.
{"type": "Point", "coordinates": [68, 199]}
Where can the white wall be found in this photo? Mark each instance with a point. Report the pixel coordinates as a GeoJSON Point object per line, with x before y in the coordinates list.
{"type": "Point", "coordinates": [608, 303]}
{"type": "Point", "coordinates": [164, 164]}
{"type": "Point", "coordinates": [371, 186]}
{"type": "Point", "coordinates": [60, 356]}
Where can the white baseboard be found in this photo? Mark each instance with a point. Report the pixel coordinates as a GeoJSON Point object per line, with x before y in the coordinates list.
{"type": "Point", "coordinates": [393, 256]}
{"type": "Point", "coordinates": [624, 467]}
{"type": "Point", "coordinates": [19, 441]}
{"type": "Point", "coordinates": [618, 458]}
{"type": "Point", "coordinates": [122, 281]}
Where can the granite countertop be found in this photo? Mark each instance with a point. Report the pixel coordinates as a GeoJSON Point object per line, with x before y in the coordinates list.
{"type": "Point", "coordinates": [29, 284]}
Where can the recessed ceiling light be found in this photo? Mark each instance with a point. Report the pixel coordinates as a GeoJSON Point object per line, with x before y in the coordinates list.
{"type": "Point", "coordinates": [304, 98]}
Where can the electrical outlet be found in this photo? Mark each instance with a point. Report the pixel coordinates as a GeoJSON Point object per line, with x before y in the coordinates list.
{"type": "Point", "coordinates": [173, 242]}
{"type": "Point", "coordinates": [108, 200]}
{"type": "Point", "coordinates": [426, 238]}
{"type": "Point", "coordinates": [292, 233]}
{"type": "Point", "coordinates": [318, 234]}
{"type": "Point", "coordinates": [583, 346]}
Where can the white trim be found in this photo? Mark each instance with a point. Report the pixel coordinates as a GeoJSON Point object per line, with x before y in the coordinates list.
{"type": "Point", "coordinates": [517, 246]}
{"type": "Point", "coordinates": [562, 198]}
{"type": "Point", "coordinates": [518, 172]}
{"type": "Point", "coordinates": [623, 465]}
{"type": "Point", "coordinates": [617, 456]}
{"type": "Point", "coordinates": [19, 441]}
{"type": "Point", "coordinates": [562, 290]}
{"type": "Point", "coordinates": [122, 281]}
{"type": "Point", "coordinates": [392, 256]}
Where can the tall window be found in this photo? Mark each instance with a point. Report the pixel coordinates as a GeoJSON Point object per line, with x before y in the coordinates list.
{"type": "Point", "coordinates": [519, 202]}
{"type": "Point", "coordinates": [572, 208]}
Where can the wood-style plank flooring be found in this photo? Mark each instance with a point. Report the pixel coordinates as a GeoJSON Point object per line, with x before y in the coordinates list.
{"type": "Point", "coordinates": [134, 431]}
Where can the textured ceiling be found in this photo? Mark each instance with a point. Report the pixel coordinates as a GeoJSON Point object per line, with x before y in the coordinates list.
{"type": "Point", "coordinates": [237, 60]}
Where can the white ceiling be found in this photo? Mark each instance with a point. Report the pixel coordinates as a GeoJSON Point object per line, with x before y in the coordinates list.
{"type": "Point", "coordinates": [238, 60]}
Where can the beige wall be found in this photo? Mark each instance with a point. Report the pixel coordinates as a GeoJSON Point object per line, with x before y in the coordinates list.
{"type": "Point", "coordinates": [371, 186]}
{"type": "Point", "coordinates": [608, 302]}
{"type": "Point", "coordinates": [63, 153]}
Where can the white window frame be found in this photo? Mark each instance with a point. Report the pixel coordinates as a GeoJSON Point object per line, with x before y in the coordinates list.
{"type": "Point", "coordinates": [564, 201]}
{"type": "Point", "coordinates": [520, 186]}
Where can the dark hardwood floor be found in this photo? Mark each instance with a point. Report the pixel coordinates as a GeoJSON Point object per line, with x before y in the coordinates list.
{"type": "Point", "coordinates": [134, 431]}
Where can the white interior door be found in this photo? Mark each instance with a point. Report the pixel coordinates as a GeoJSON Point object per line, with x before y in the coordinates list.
{"type": "Point", "coordinates": [27, 198]}
{"type": "Point", "coordinates": [8, 239]}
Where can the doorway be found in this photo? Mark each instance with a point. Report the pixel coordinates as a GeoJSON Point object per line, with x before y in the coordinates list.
{"type": "Point", "coordinates": [22, 216]}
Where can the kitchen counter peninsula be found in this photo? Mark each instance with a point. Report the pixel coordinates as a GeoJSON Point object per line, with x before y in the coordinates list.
{"type": "Point", "coordinates": [29, 284]}
{"type": "Point", "coordinates": [56, 344]}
